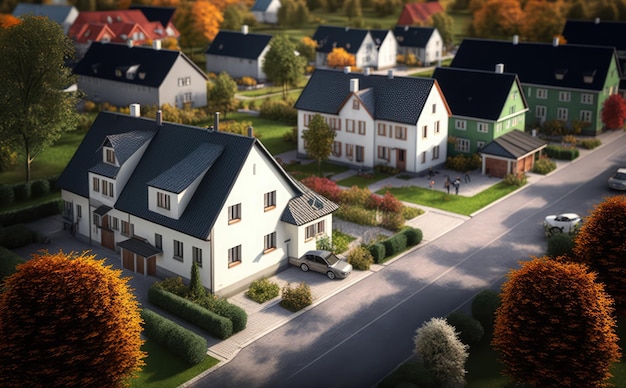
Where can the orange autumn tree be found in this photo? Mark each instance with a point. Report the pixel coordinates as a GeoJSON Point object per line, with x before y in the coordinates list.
{"type": "Point", "coordinates": [7, 20]}
{"type": "Point", "coordinates": [68, 320]}
{"type": "Point", "coordinates": [339, 57]}
{"type": "Point", "coordinates": [498, 18]}
{"type": "Point", "coordinates": [601, 244]}
{"type": "Point", "coordinates": [542, 21]}
{"type": "Point", "coordinates": [555, 327]}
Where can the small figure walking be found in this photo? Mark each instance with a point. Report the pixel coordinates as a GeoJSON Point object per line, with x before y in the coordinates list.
{"type": "Point", "coordinates": [431, 174]}
{"type": "Point", "coordinates": [446, 185]}
{"type": "Point", "coordinates": [467, 178]}
{"type": "Point", "coordinates": [432, 183]}
{"type": "Point", "coordinates": [457, 183]}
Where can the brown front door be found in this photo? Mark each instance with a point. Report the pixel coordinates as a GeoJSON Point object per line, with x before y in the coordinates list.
{"type": "Point", "coordinates": [140, 265]}
{"type": "Point", "coordinates": [152, 266]}
{"type": "Point", "coordinates": [128, 260]}
{"type": "Point", "coordinates": [107, 239]}
{"type": "Point", "coordinates": [400, 159]}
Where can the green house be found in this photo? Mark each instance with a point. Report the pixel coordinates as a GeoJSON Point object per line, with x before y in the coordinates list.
{"type": "Point", "coordinates": [484, 104]}
{"type": "Point", "coordinates": [564, 82]}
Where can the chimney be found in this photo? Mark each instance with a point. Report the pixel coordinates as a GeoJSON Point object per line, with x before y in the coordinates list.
{"type": "Point", "coordinates": [555, 41]}
{"type": "Point", "coordinates": [135, 110]}
{"type": "Point", "coordinates": [129, 42]}
{"type": "Point", "coordinates": [500, 68]}
{"type": "Point", "coordinates": [406, 28]}
{"type": "Point", "coordinates": [390, 74]}
{"type": "Point", "coordinates": [244, 29]}
{"type": "Point", "coordinates": [597, 20]}
{"type": "Point", "coordinates": [354, 85]}
{"type": "Point", "coordinates": [250, 131]}
{"type": "Point", "coordinates": [156, 44]}
{"type": "Point", "coordinates": [159, 117]}
{"type": "Point", "coordinates": [346, 69]}
{"type": "Point", "coordinates": [216, 121]}
{"type": "Point", "coordinates": [515, 39]}
{"type": "Point", "coordinates": [366, 70]}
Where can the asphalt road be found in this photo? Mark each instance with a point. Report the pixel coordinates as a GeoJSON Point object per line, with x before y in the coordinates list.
{"type": "Point", "coordinates": [357, 337]}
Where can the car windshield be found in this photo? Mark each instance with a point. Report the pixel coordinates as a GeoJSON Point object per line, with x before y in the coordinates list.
{"type": "Point", "coordinates": [620, 176]}
{"type": "Point", "coordinates": [332, 259]}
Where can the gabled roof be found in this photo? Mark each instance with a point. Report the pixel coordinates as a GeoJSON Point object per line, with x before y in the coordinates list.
{"type": "Point", "coordinates": [120, 21]}
{"type": "Point", "coordinates": [307, 207]}
{"type": "Point", "coordinates": [398, 99]}
{"type": "Point", "coordinates": [163, 15]}
{"type": "Point", "coordinates": [560, 66]}
{"type": "Point", "coordinates": [118, 62]}
{"type": "Point", "coordinates": [418, 12]}
{"type": "Point", "coordinates": [174, 145]}
{"type": "Point", "coordinates": [261, 5]}
{"type": "Point", "coordinates": [379, 36]}
{"type": "Point", "coordinates": [513, 145]}
{"type": "Point", "coordinates": [126, 144]}
{"type": "Point", "coordinates": [408, 36]}
{"type": "Point", "coordinates": [595, 33]}
{"type": "Point", "coordinates": [239, 45]}
{"type": "Point", "coordinates": [476, 93]}
{"type": "Point", "coordinates": [330, 37]}
{"type": "Point", "coordinates": [57, 13]}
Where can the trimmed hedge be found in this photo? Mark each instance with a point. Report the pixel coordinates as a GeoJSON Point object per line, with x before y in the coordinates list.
{"type": "Point", "coordinates": [8, 262]}
{"type": "Point", "coordinates": [413, 236]}
{"type": "Point", "coordinates": [470, 329]}
{"type": "Point", "coordinates": [209, 321]}
{"type": "Point", "coordinates": [224, 308]}
{"type": "Point", "coordinates": [378, 252]}
{"type": "Point", "coordinates": [562, 153]}
{"type": "Point", "coordinates": [39, 188]}
{"type": "Point", "coordinates": [22, 191]}
{"type": "Point", "coordinates": [7, 194]}
{"type": "Point", "coordinates": [33, 213]}
{"type": "Point", "coordinates": [16, 236]}
{"type": "Point", "coordinates": [394, 244]}
{"type": "Point", "coordinates": [484, 308]}
{"type": "Point", "coordinates": [182, 342]}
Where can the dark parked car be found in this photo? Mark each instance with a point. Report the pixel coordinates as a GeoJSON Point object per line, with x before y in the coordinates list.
{"type": "Point", "coordinates": [323, 262]}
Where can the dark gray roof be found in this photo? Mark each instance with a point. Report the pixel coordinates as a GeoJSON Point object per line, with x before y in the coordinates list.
{"type": "Point", "coordinates": [476, 93]}
{"type": "Point", "coordinates": [239, 45]}
{"type": "Point", "coordinates": [112, 61]}
{"type": "Point", "coordinates": [140, 247]}
{"type": "Point", "coordinates": [56, 13]}
{"type": "Point", "coordinates": [183, 173]}
{"type": "Point", "coordinates": [162, 15]}
{"type": "Point", "coordinates": [513, 145]}
{"type": "Point", "coordinates": [408, 36]}
{"type": "Point", "coordinates": [307, 207]}
{"type": "Point", "coordinates": [102, 210]}
{"type": "Point", "coordinates": [261, 5]}
{"type": "Point", "coordinates": [105, 169]}
{"type": "Point", "coordinates": [398, 99]}
{"type": "Point", "coordinates": [329, 37]}
{"type": "Point", "coordinates": [126, 144]}
{"type": "Point", "coordinates": [538, 63]}
{"type": "Point", "coordinates": [602, 33]}
{"type": "Point", "coordinates": [379, 36]}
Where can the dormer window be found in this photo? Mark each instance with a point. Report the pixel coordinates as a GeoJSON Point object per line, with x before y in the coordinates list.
{"type": "Point", "coordinates": [109, 155]}
{"type": "Point", "coordinates": [163, 200]}
{"type": "Point", "coordinates": [588, 76]}
{"type": "Point", "coordinates": [559, 74]}
{"type": "Point", "coordinates": [118, 72]}
{"type": "Point", "coordinates": [355, 104]}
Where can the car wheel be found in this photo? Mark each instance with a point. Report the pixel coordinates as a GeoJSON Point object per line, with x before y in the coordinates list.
{"type": "Point", "coordinates": [554, 230]}
{"type": "Point", "coordinates": [304, 267]}
{"type": "Point", "coordinates": [331, 275]}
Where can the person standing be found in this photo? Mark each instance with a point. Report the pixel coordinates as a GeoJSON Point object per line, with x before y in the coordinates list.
{"type": "Point", "coordinates": [467, 178]}
{"type": "Point", "coordinates": [432, 184]}
{"type": "Point", "coordinates": [457, 184]}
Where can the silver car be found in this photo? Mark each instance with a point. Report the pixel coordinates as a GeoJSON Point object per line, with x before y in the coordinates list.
{"type": "Point", "coordinates": [617, 181]}
{"type": "Point", "coordinates": [323, 262]}
{"type": "Point", "coordinates": [562, 223]}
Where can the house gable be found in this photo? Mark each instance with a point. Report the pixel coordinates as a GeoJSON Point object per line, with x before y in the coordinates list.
{"type": "Point", "coordinates": [239, 45]}
{"type": "Point", "coordinates": [331, 37]}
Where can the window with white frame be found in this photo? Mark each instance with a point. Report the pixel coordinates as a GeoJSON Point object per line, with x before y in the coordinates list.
{"type": "Point", "coordinates": [178, 250]}
{"type": "Point", "coordinates": [110, 156]}
{"type": "Point", "coordinates": [96, 184]}
{"type": "Point", "coordinates": [383, 152]}
{"type": "Point", "coordinates": [435, 152]}
{"type": "Point", "coordinates": [163, 200]}
{"type": "Point", "coordinates": [565, 96]}
{"type": "Point", "coordinates": [400, 132]}
{"type": "Point", "coordinates": [361, 127]}
{"type": "Point", "coordinates": [382, 129]}
{"type": "Point", "coordinates": [350, 125]}
{"type": "Point", "coordinates": [269, 243]}
{"type": "Point", "coordinates": [460, 124]}
{"type": "Point", "coordinates": [424, 131]}
{"type": "Point", "coordinates": [540, 111]}
{"type": "Point", "coordinates": [196, 254]}
{"type": "Point", "coordinates": [269, 200]}
{"type": "Point", "coordinates": [586, 98]}
{"type": "Point", "coordinates": [561, 114]}
{"type": "Point", "coordinates": [585, 116]}
{"type": "Point", "coordinates": [115, 223]}
{"type": "Point", "coordinates": [498, 127]}
{"type": "Point", "coordinates": [158, 241]}
{"type": "Point", "coordinates": [234, 213]}
{"type": "Point", "coordinates": [234, 255]}
{"type": "Point", "coordinates": [542, 93]}
{"type": "Point", "coordinates": [482, 127]}
{"type": "Point", "coordinates": [462, 145]}
{"type": "Point", "coordinates": [437, 127]}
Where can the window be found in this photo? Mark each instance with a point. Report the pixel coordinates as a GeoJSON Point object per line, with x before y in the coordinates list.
{"type": "Point", "coordinates": [269, 200]}
{"type": "Point", "coordinates": [105, 188]}
{"type": "Point", "coordinates": [355, 104]}
{"type": "Point", "coordinates": [181, 82]}
{"type": "Point", "coordinates": [382, 129]}
{"type": "Point", "coordinates": [334, 123]}
{"type": "Point", "coordinates": [561, 114]}
{"type": "Point", "coordinates": [383, 152]}
{"type": "Point", "coordinates": [309, 232]}
{"type": "Point", "coordinates": [565, 96]}
{"type": "Point", "coordinates": [425, 131]}
{"type": "Point", "coordinates": [196, 254]}
{"type": "Point", "coordinates": [158, 241]}
{"type": "Point", "coordinates": [96, 184]}
{"type": "Point", "coordinates": [361, 127]}
{"type": "Point", "coordinates": [115, 223]}
{"type": "Point", "coordinates": [234, 255]}
{"type": "Point", "coordinates": [359, 153]}
{"type": "Point", "coordinates": [540, 111]}
{"type": "Point", "coordinates": [178, 250]}
{"type": "Point", "coordinates": [79, 211]}
{"type": "Point", "coordinates": [462, 145]}
{"type": "Point", "coordinates": [480, 145]}
{"type": "Point", "coordinates": [350, 151]}
{"type": "Point", "coordinates": [187, 81]}
{"type": "Point", "coordinates": [585, 116]}
{"type": "Point", "coordinates": [498, 127]}
{"type": "Point", "coordinates": [350, 125]}
{"type": "Point", "coordinates": [437, 129]}
{"type": "Point", "coordinates": [234, 213]}
{"type": "Point", "coordinates": [125, 228]}
{"type": "Point", "coordinates": [96, 219]}
{"type": "Point", "coordinates": [110, 156]}
{"type": "Point", "coordinates": [435, 152]}
{"type": "Point", "coordinates": [434, 108]}
{"type": "Point", "coordinates": [460, 124]}
{"type": "Point", "coordinates": [400, 133]}
{"type": "Point", "coordinates": [542, 93]}
{"type": "Point", "coordinates": [269, 242]}
{"type": "Point", "coordinates": [586, 98]}
{"type": "Point", "coordinates": [321, 227]}
{"type": "Point", "coordinates": [515, 95]}
{"type": "Point", "coordinates": [511, 110]}
{"type": "Point", "coordinates": [337, 148]}
{"type": "Point", "coordinates": [423, 157]}
{"type": "Point", "coordinates": [482, 127]}
{"type": "Point", "coordinates": [163, 201]}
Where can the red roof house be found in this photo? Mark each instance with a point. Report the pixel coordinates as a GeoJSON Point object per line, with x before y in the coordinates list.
{"type": "Point", "coordinates": [418, 13]}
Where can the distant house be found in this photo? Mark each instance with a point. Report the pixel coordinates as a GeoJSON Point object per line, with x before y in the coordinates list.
{"type": "Point", "coordinates": [266, 11]}
{"type": "Point", "coordinates": [567, 82]}
{"type": "Point", "coordinates": [600, 33]}
{"type": "Point", "coordinates": [418, 13]}
{"type": "Point", "coordinates": [128, 26]}
{"type": "Point", "coordinates": [240, 54]}
{"type": "Point", "coordinates": [65, 15]}
{"type": "Point", "coordinates": [123, 75]}
{"type": "Point", "coordinates": [375, 48]}
{"type": "Point", "coordinates": [165, 195]}
{"type": "Point", "coordinates": [423, 42]}
{"type": "Point", "coordinates": [400, 122]}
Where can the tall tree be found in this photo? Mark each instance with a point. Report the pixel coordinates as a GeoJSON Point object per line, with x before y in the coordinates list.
{"type": "Point", "coordinates": [555, 327]}
{"type": "Point", "coordinates": [293, 13]}
{"type": "Point", "coordinates": [307, 48]}
{"type": "Point", "coordinates": [601, 245]}
{"type": "Point", "coordinates": [233, 17]}
{"type": "Point", "coordinates": [445, 25]}
{"type": "Point", "coordinates": [196, 289]}
{"type": "Point", "coordinates": [352, 9]}
{"type": "Point", "coordinates": [198, 22]}
{"type": "Point", "coordinates": [614, 112]}
{"type": "Point", "coordinates": [282, 64]}
{"type": "Point", "coordinates": [444, 355]}
{"type": "Point", "coordinates": [74, 318]}
{"type": "Point", "coordinates": [222, 94]}
{"type": "Point", "coordinates": [498, 18]}
{"type": "Point", "coordinates": [578, 10]}
{"type": "Point", "coordinates": [319, 140]}
{"type": "Point", "coordinates": [35, 108]}
{"type": "Point", "coordinates": [542, 21]}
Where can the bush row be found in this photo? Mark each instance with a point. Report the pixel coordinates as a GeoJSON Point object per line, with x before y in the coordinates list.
{"type": "Point", "coordinates": [32, 213]}
{"type": "Point", "coordinates": [27, 190]}
{"type": "Point", "coordinates": [16, 236]}
{"type": "Point", "coordinates": [397, 243]}
{"type": "Point", "coordinates": [590, 144]}
{"type": "Point", "coordinates": [279, 110]}
{"type": "Point", "coordinates": [262, 290]}
{"type": "Point", "coordinates": [182, 342]}
{"type": "Point", "coordinates": [216, 325]}
{"type": "Point", "coordinates": [544, 165]}
{"type": "Point", "coordinates": [562, 153]}
{"type": "Point", "coordinates": [463, 163]}
{"type": "Point", "coordinates": [8, 262]}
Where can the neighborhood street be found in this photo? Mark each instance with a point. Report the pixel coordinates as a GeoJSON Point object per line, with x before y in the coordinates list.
{"type": "Point", "coordinates": [358, 336]}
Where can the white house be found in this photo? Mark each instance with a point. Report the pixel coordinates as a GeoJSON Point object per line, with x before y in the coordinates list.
{"type": "Point", "coordinates": [386, 47]}
{"type": "Point", "coordinates": [423, 42]}
{"type": "Point", "coordinates": [266, 11]}
{"type": "Point", "coordinates": [65, 15]}
{"type": "Point", "coordinates": [122, 75]}
{"type": "Point", "coordinates": [165, 195]}
{"type": "Point", "coordinates": [400, 122]}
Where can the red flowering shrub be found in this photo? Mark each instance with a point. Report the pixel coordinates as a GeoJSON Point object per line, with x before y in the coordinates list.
{"type": "Point", "coordinates": [391, 203]}
{"type": "Point", "coordinates": [323, 186]}
{"type": "Point", "coordinates": [374, 201]}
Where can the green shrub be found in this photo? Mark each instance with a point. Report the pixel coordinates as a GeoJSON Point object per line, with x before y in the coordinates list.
{"type": "Point", "coordinates": [23, 191]}
{"type": "Point", "coordinates": [16, 236]}
{"type": "Point", "coordinates": [40, 187]}
{"type": "Point", "coordinates": [262, 290]}
{"type": "Point", "coordinates": [560, 244]}
{"type": "Point", "coordinates": [562, 153]}
{"type": "Point", "coordinates": [394, 244]}
{"type": "Point", "coordinates": [590, 144]}
{"type": "Point", "coordinates": [291, 137]}
{"type": "Point", "coordinates": [386, 169]}
{"type": "Point", "coordinates": [174, 285]}
{"type": "Point", "coordinates": [224, 308]}
{"type": "Point", "coordinates": [355, 196]}
{"type": "Point", "coordinates": [356, 214]}
{"type": "Point", "coordinates": [207, 320]}
{"type": "Point", "coordinates": [8, 262]}
{"type": "Point", "coordinates": [392, 221]}
{"type": "Point", "coordinates": [32, 213]}
{"type": "Point", "coordinates": [570, 140]}
{"type": "Point", "coordinates": [180, 341]}
{"type": "Point", "coordinates": [484, 308]}
{"type": "Point", "coordinates": [410, 212]}
{"type": "Point", "coordinates": [378, 252]}
{"type": "Point", "coordinates": [297, 298]}
{"type": "Point", "coordinates": [470, 329]}
{"type": "Point", "coordinates": [463, 163]}
{"type": "Point", "coordinates": [517, 180]}
{"type": "Point", "coordinates": [7, 195]}
{"type": "Point", "coordinates": [413, 236]}
{"type": "Point", "coordinates": [52, 182]}
{"type": "Point", "coordinates": [279, 110]}
{"type": "Point", "coordinates": [340, 242]}
{"type": "Point", "coordinates": [544, 165]}
{"type": "Point", "coordinates": [360, 258]}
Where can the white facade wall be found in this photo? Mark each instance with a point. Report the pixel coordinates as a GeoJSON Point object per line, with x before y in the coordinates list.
{"type": "Point", "coordinates": [387, 52]}
{"type": "Point", "coordinates": [420, 144]}
{"type": "Point", "coordinates": [117, 93]}
{"type": "Point", "coordinates": [366, 55]}
{"type": "Point", "coordinates": [82, 217]}
{"type": "Point", "coordinates": [271, 14]}
{"type": "Point", "coordinates": [237, 67]}
{"type": "Point", "coordinates": [171, 92]}
{"type": "Point", "coordinates": [434, 49]}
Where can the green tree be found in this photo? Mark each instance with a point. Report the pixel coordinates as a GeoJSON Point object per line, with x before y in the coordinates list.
{"type": "Point", "coordinates": [555, 327]}
{"type": "Point", "coordinates": [293, 13]}
{"type": "Point", "coordinates": [35, 108]}
{"type": "Point", "coordinates": [578, 10]}
{"type": "Point", "coordinates": [74, 318]}
{"type": "Point", "coordinates": [282, 64]}
{"type": "Point", "coordinates": [196, 289]}
{"type": "Point", "coordinates": [614, 112]}
{"type": "Point", "coordinates": [445, 25]}
{"type": "Point", "coordinates": [233, 17]}
{"type": "Point", "coordinates": [222, 94]}
{"type": "Point", "coordinates": [307, 48]}
{"type": "Point", "coordinates": [442, 352]}
{"type": "Point", "coordinates": [542, 21]}
{"type": "Point", "coordinates": [352, 9]}
{"type": "Point", "coordinates": [319, 140]}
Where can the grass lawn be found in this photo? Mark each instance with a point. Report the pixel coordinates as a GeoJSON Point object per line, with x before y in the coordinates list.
{"type": "Point", "coordinates": [164, 370]}
{"type": "Point", "coordinates": [301, 171]}
{"type": "Point", "coordinates": [363, 180]}
{"type": "Point", "coordinates": [269, 131]}
{"type": "Point", "coordinates": [449, 202]}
